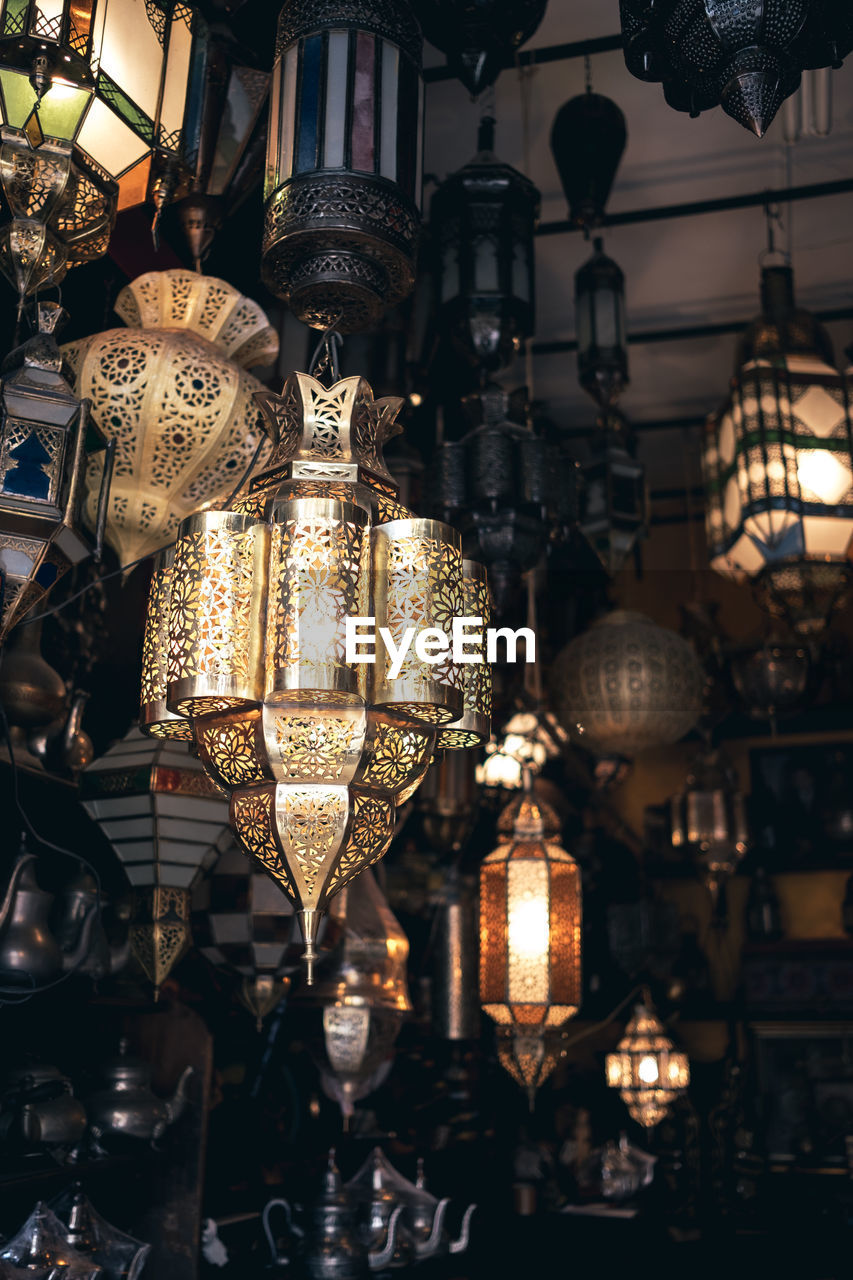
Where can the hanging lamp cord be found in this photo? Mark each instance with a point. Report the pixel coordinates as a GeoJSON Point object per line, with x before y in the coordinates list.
{"type": "Point", "coordinates": [326, 357]}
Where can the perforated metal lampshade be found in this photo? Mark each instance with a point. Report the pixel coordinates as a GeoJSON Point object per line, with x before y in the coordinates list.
{"type": "Point", "coordinates": [646, 1068]}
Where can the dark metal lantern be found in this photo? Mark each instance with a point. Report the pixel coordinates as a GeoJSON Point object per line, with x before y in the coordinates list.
{"type": "Point", "coordinates": [746, 58]}
{"type": "Point", "coordinates": [613, 495]}
{"type": "Point", "coordinates": [46, 439]}
{"type": "Point", "coordinates": [587, 141]}
{"type": "Point", "coordinates": [483, 220]}
{"type": "Point", "coordinates": [344, 157]}
{"type": "Point", "coordinates": [479, 37]}
{"type": "Point", "coordinates": [600, 325]}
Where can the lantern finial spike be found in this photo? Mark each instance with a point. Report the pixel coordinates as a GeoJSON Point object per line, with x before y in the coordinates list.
{"type": "Point", "coordinates": [309, 922]}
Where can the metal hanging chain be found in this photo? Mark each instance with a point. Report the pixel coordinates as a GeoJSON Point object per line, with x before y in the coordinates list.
{"type": "Point", "coordinates": [774, 222]}
{"type": "Point", "coordinates": [326, 354]}
{"type": "Point", "coordinates": [587, 73]}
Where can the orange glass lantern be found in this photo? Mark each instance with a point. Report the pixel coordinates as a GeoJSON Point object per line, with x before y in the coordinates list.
{"type": "Point", "coordinates": [530, 942]}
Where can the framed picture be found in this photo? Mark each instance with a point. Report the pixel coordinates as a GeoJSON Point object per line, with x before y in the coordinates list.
{"type": "Point", "coordinates": [801, 805]}
{"type": "Point", "coordinates": [804, 1076]}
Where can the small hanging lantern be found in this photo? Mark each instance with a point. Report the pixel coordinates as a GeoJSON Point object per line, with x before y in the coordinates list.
{"type": "Point", "coordinates": [530, 938]}
{"type": "Point", "coordinates": [587, 141]}
{"type": "Point", "coordinates": [613, 497]}
{"type": "Point", "coordinates": [746, 59]}
{"type": "Point", "coordinates": [778, 465]}
{"type": "Point", "coordinates": [363, 996]}
{"type": "Point", "coordinates": [646, 1069]}
{"type": "Point", "coordinates": [167, 822]}
{"type": "Point", "coordinates": [246, 645]}
{"type": "Point", "coordinates": [483, 220]}
{"type": "Point", "coordinates": [529, 739]}
{"type": "Point", "coordinates": [772, 679]}
{"type": "Point", "coordinates": [344, 159]}
{"type": "Point", "coordinates": [627, 684]}
{"type": "Point", "coordinates": [709, 820]}
{"type": "Point", "coordinates": [242, 921]}
{"type": "Point", "coordinates": [601, 330]}
{"type": "Point", "coordinates": [98, 108]}
{"type": "Point", "coordinates": [479, 37]}
{"type": "Point", "coordinates": [448, 802]}
{"type": "Point", "coordinates": [47, 440]}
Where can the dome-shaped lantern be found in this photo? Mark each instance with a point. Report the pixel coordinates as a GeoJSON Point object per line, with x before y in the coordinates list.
{"type": "Point", "coordinates": [745, 58]}
{"type": "Point", "coordinates": [627, 684]}
{"type": "Point", "coordinates": [344, 158]}
{"type": "Point", "coordinates": [479, 37]}
{"type": "Point", "coordinates": [587, 141]}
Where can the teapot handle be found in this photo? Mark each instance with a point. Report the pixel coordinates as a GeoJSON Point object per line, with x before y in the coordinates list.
{"type": "Point", "coordinates": [265, 1219]}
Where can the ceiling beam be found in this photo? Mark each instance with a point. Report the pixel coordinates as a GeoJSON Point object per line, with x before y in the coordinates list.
{"type": "Point", "coordinates": [655, 213]}
{"type": "Point", "coordinates": [683, 333]}
{"type": "Point", "coordinates": [534, 57]}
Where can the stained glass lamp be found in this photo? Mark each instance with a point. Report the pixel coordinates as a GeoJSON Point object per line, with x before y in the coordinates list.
{"type": "Point", "coordinates": [530, 941]}
{"type": "Point", "coordinates": [48, 444]}
{"type": "Point", "coordinates": [646, 1068]}
{"type": "Point", "coordinates": [778, 465]}
{"type": "Point", "coordinates": [167, 822]}
{"type": "Point", "coordinates": [99, 105]}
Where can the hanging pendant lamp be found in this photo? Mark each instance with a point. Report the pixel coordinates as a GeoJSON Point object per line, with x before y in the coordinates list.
{"type": "Point", "coordinates": [588, 137]}
{"type": "Point", "coordinates": [646, 1069]}
{"type": "Point", "coordinates": [479, 37]}
{"type": "Point", "coordinates": [245, 645]}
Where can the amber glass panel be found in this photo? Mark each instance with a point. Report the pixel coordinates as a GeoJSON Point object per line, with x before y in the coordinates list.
{"type": "Point", "coordinates": [566, 917]}
{"type": "Point", "coordinates": [493, 950]}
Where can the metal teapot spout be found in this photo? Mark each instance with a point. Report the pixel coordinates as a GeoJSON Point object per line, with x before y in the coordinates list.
{"type": "Point", "coordinates": [178, 1101]}
{"type": "Point", "coordinates": [24, 864]}
{"type": "Point", "coordinates": [379, 1258]}
{"type": "Point", "coordinates": [74, 958]}
{"type": "Point", "coordinates": [460, 1245]}
{"type": "Point", "coordinates": [432, 1244]}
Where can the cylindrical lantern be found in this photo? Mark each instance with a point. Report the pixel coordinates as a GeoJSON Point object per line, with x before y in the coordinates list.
{"type": "Point", "coordinates": [627, 684]}
{"type": "Point", "coordinates": [266, 632]}
{"type": "Point", "coordinates": [778, 465]}
{"type": "Point", "coordinates": [344, 157]}
{"type": "Point", "coordinates": [601, 329]}
{"type": "Point", "coordinates": [709, 820]}
{"type": "Point", "coordinates": [587, 140]}
{"type": "Point", "coordinates": [472, 727]}
{"type": "Point", "coordinates": [530, 930]}
{"type": "Point", "coordinates": [166, 821]}
{"type": "Point", "coordinates": [455, 1012]}
{"type": "Point", "coordinates": [646, 1069]}
{"type": "Point", "coordinates": [173, 392]}
{"type": "Point", "coordinates": [613, 501]}
{"type": "Point", "coordinates": [483, 220]}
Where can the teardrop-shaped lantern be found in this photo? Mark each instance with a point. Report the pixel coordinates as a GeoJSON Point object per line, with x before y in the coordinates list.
{"type": "Point", "coordinates": [587, 141]}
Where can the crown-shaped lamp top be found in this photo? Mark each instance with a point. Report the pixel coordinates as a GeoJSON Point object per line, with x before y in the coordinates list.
{"type": "Point", "coordinates": [331, 433]}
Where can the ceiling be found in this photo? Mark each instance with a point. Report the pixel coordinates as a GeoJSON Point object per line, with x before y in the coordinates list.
{"type": "Point", "coordinates": [679, 272]}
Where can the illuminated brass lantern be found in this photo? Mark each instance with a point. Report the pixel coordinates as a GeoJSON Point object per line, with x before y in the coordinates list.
{"type": "Point", "coordinates": [47, 442]}
{"type": "Point", "coordinates": [173, 392]}
{"type": "Point", "coordinates": [344, 160]}
{"type": "Point", "coordinates": [243, 922]}
{"type": "Point", "coordinates": [778, 465]}
{"type": "Point", "coordinates": [245, 646]}
{"type": "Point", "coordinates": [98, 107]}
{"type": "Point", "coordinates": [530, 943]}
{"type": "Point", "coordinates": [626, 685]}
{"type": "Point", "coordinates": [167, 822]}
{"type": "Point", "coordinates": [363, 996]}
{"type": "Point", "coordinates": [528, 741]}
{"type": "Point", "coordinates": [709, 820]}
{"type": "Point", "coordinates": [646, 1069]}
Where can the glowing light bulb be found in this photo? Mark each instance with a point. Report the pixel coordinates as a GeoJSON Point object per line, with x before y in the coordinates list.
{"type": "Point", "coordinates": [647, 1070]}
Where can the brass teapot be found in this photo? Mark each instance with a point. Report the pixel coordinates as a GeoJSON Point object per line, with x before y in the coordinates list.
{"type": "Point", "coordinates": [128, 1107]}
{"type": "Point", "coordinates": [333, 1249]}
{"type": "Point", "coordinates": [39, 1108]}
{"type": "Point", "coordinates": [29, 951]}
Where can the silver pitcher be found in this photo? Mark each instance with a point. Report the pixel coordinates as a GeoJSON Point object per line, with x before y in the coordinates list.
{"type": "Point", "coordinates": [28, 948]}
{"type": "Point", "coordinates": [40, 1109]}
{"type": "Point", "coordinates": [127, 1106]}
